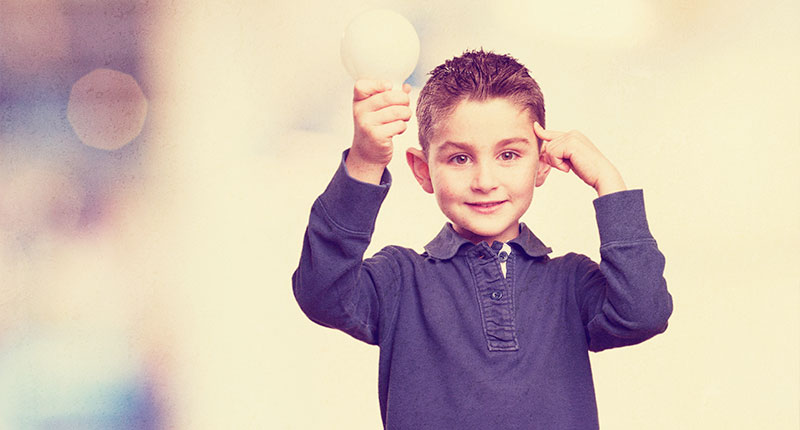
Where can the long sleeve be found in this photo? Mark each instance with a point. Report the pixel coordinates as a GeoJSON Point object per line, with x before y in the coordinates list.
{"type": "Point", "coordinates": [332, 285]}
{"type": "Point", "coordinates": [624, 300]}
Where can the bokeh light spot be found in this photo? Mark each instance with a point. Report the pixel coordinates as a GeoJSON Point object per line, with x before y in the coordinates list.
{"type": "Point", "coordinates": [107, 109]}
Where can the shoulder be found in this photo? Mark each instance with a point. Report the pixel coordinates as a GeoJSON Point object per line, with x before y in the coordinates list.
{"type": "Point", "coordinates": [403, 260]}
{"type": "Point", "coordinates": [401, 254]}
{"type": "Point", "coordinates": [394, 266]}
{"type": "Point", "coordinates": [571, 265]}
{"type": "Point", "coordinates": [568, 259]}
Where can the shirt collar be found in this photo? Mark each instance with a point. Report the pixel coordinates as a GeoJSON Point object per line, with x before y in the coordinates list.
{"type": "Point", "coordinates": [447, 243]}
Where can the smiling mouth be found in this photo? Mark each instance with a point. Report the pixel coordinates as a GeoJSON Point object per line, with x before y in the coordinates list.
{"type": "Point", "coordinates": [486, 207]}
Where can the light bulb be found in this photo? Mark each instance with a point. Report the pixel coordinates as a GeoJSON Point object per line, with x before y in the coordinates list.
{"type": "Point", "coordinates": [382, 45]}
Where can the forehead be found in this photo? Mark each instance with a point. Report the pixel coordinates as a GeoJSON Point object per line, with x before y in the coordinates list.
{"type": "Point", "coordinates": [484, 123]}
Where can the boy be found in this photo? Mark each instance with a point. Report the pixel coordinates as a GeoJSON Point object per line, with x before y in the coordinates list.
{"type": "Point", "coordinates": [483, 330]}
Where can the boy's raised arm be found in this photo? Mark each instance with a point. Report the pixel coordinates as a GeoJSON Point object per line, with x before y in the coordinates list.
{"type": "Point", "coordinates": [333, 284]}
{"type": "Point", "coordinates": [624, 300]}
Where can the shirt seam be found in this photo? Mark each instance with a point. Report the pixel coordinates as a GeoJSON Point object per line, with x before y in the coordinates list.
{"type": "Point", "coordinates": [395, 287]}
{"type": "Point", "coordinates": [351, 303]}
{"type": "Point", "coordinates": [613, 243]}
{"type": "Point", "coordinates": [479, 303]}
{"type": "Point", "coordinates": [336, 224]}
{"type": "Point", "coordinates": [509, 279]}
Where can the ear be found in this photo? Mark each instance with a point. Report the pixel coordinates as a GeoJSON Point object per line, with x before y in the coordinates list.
{"type": "Point", "coordinates": [418, 163]}
{"type": "Point", "coordinates": [542, 171]}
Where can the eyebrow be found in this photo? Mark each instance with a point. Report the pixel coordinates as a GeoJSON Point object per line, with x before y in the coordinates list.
{"type": "Point", "coordinates": [464, 145]}
{"type": "Point", "coordinates": [511, 140]}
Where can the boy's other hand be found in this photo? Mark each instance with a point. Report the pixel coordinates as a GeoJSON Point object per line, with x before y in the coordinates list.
{"type": "Point", "coordinates": [379, 113]}
{"type": "Point", "coordinates": [571, 150]}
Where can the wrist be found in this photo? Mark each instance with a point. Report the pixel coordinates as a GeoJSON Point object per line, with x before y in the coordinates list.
{"type": "Point", "coordinates": [610, 182]}
{"type": "Point", "coordinates": [363, 169]}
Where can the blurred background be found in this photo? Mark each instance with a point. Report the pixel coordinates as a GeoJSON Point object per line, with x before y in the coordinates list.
{"type": "Point", "coordinates": [158, 161]}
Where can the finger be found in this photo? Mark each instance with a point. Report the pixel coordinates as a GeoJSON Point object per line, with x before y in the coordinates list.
{"type": "Point", "coordinates": [407, 88]}
{"type": "Point", "coordinates": [567, 165]}
{"type": "Point", "coordinates": [555, 157]}
{"type": "Point", "coordinates": [558, 163]}
{"type": "Point", "coordinates": [389, 114]}
{"type": "Point", "coordinates": [365, 88]}
{"type": "Point", "coordinates": [391, 129]}
{"type": "Point", "coordinates": [382, 100]}
{"type": "Point", "coordinates": [545, 134]}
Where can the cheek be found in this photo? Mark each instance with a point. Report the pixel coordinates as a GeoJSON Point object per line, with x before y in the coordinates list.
{"type": "Point", "coordinates": [446, 185]}
{"type": "Point", "coordinates": [522, 182]}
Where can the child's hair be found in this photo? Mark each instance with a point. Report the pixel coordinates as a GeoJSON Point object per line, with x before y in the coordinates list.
{"type": "Point", "coordinates": [476, 76]}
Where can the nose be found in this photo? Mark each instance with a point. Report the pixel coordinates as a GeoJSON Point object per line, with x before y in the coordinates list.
{"type": "Point", "coordinates": [484, 178]}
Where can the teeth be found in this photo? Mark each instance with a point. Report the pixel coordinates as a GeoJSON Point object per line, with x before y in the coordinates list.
{"type": "Point", "coordinates": [485, 205]}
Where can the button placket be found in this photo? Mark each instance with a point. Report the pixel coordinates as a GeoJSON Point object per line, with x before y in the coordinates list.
{"type": "Point", "coordinates": [495, 300]}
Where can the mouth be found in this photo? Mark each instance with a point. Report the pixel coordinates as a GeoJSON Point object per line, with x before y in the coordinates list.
{"type": "Point", "coordinates": [486, 207]}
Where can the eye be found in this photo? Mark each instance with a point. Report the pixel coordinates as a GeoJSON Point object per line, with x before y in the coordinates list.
{"type": "Point", "coordinates": [508, 156]}
{"type": "Point", "coordinates": [460, 159]}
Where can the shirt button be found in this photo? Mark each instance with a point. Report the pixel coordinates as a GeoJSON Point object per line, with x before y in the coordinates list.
{"type": "Point", "coordinates": [503, 256]}
{"type": "Point", "coordinates": [497, 295]}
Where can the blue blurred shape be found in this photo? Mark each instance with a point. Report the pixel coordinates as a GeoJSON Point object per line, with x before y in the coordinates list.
{"type": "Point", "coordinates": [71, 379]}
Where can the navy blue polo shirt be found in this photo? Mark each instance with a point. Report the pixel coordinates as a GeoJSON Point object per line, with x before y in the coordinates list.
{"type": "Point", "coordinates": [463, 346]}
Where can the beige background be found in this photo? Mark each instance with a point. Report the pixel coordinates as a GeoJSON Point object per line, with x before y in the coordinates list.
{"type": "Point", "coordinates": [694, 101]}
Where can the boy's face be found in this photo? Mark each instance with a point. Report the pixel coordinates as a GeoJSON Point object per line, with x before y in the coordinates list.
{"type": "Point", "coordinates": [482, 165]}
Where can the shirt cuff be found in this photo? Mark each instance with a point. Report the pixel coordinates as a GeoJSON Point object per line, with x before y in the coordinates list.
{"type": "Point", "coordinates": [353, 204]}
{"type": "Point", "coordinates": [621, 216]}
